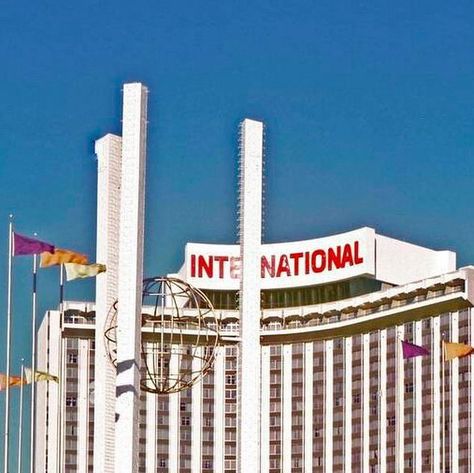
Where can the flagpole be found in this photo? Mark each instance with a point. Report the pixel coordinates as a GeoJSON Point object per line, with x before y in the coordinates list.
{"type": "Point", "coordinates": [9, 310]}
{"type": "Point", "coordinates": [20, 428]}
{"type": "Point", "coordinates": [443, 428]}
{"type": "Point", "coordinates": [61, 376]}
{"type": "Point", "coordinates": [33, 367]}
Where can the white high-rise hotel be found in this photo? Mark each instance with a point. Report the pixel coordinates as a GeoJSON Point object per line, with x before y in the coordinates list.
{"type": "Point", "coordinates": [315, 380]}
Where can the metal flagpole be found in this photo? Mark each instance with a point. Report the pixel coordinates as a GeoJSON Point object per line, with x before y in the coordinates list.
{"type": "Point", "coordinates": [61, 374]}
{"type": "Point", "coordinates": [9, 310]}
{"type": "Point", "coordinates": [20, 428]}
{"type": "Point", "coordinates": [33, 368]}
{"type": "Point", "coordinates": [443, 431]}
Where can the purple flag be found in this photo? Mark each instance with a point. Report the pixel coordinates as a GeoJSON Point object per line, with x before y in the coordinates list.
{"type": "Point", "coordinates": [410, 350]}
{"type": "Point", "coordinates": [23, 245]}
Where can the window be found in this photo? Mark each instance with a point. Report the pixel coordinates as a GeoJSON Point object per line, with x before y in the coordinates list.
{"type": "Point", "coordinates": [230, 421]}
{"type": "Point", "coordinates": [274, 463]}
{"type": "Point", "coordinates": [71, 401]}
{"type": "Point", "coordinates": [230, 407]}
{"type": "Point", "coordinates": [274, 420]}
{"type": "Point", "coordinates": [230, 379]}
{"type": "Point", "coordinates": [231, 351]}
{"type": "Point", "coordinates": [162, 462]}
{"type": "Point", "coordinates": [275, 449]}
{"type": "Point", "coordinates": [185, 420]}
{"type": "Point", "coordinates": [72, 358]}
{"type": "Point", "coordinates": [275, 349]}
{"type": "Point", "coordinates": [70, 429]}
{"type": "Point", "coordinates": [230, 449]}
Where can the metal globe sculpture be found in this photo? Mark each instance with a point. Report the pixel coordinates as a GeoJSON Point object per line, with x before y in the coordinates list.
{"type": "Point", "coordinates": [180, 332]}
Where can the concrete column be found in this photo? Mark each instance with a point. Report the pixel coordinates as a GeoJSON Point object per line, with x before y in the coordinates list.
{"type": "Point", "coordinates": [196, 415]}
{"type": "Point", "coordinates": [54, 364]}
{"type": "Point", "coordinates": [399, 404]}
{"type": "Point", "coordinates": [251, 154]}
{"type": "Point", "coordinates": [151, 401]}
{"type": "Point", "coordinates": [42, 390]}
{"type": "Point", "coordinates": [109, 156]}
{"type": "Point", "coordinates": [454, 386]}
{"type": "Point", "coordinates": [265, 410]}
{"type": "Point", "coordinates": [348, 405]}
{"type": "Point", "coordinates": [83, 407]}
{"type": "Point", "coordinates": [174, 416]}
{"type": "Point", "coordinates": [382, 399]}
{"type": "Point", "coordinates": [132, 210]}
{"type": "Point", "coordinates": [328, 405]}
{"type": "Point", "coordinates": [418, 393]}
{"type": "Point", "coordinates": [219, 403]}
{"type": "Point", "coordinates": [308, 407]}
{"type": "Point", "coordinates": [287, 374]}
{"type": "Point", "coordinates": [365, 402]}
{"type": "Point", "coordinates": [436, 386]}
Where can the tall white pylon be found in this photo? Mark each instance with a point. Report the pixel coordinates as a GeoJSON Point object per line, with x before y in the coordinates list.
{"type": "Point", "coordinates": [109, 162]}
{"type": "Point", "coordinates": [132, 210]}
{"type": "Point", "coordinates": [251, 169]}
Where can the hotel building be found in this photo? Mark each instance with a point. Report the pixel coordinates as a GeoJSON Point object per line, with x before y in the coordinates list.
{"type": "Point", "coordinates": [336, 395]}
{"type": "Point", "coordinates": [329, 390]}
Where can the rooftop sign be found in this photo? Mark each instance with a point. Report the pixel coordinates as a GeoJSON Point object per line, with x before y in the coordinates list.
{"type": "Point", "coordinates": [292, 264]}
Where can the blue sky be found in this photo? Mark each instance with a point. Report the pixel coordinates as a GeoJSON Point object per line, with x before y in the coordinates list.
{"type": "Point", "coordinates": [369, 112]}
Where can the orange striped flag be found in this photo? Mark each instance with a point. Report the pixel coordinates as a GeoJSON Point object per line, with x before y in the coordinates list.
{"type": "Point", "coordinates": [60, 257]}
{"type": "Point", "coordinates": [14, 381]}
{"type": "Point", "coordinates": [456, 350]}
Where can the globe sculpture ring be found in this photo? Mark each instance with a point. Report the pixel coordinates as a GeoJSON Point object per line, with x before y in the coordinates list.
{"type": "Point", "coordinates": [180, 333]}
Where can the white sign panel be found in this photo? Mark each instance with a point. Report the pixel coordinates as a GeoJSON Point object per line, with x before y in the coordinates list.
{"type": "Point", "coordinates": [293, 264]}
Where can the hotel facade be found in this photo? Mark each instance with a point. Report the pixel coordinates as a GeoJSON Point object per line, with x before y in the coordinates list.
{"type": "Point", "coordinates": [309, 375]}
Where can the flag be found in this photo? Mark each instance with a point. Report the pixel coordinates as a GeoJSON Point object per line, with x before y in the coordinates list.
{"type": "Point", "coordinates": [410, 350]}
{"type": "Point", "coordinates": [23, 245]}
{"type": "Point", "coordinates": [14, 381]}
{"type": "Point", "coordinates": [60, 256]}
{"type": "Point", "coordinates": [74, 271]}
{"type": "Point", "coordinates": [39, 376]}
{"type": "Point", "coordinates": [456, 350]}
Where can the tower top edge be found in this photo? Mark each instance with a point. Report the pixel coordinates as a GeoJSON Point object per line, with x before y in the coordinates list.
{"type": "Point", "coordinates": [135, 85]}
{"type": "Point", "coordinates": [251, 121]}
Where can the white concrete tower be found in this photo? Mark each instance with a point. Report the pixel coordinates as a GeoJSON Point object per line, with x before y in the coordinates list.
{"type": "Point", "coordinates": [251, 163]}
{"type": "Point", "coordinates": [109, 160]}
{"type": "Point", "coordinates": [132, 213]}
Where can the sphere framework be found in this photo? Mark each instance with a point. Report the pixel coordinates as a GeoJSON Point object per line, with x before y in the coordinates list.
{"type": "Point", "coordinates": [180, 332]}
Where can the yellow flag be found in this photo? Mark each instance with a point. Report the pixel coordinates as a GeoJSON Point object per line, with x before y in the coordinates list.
{"type": "Point", "coordinates": [39, 376]}
{"type": "Point", "coordinates": [456, 350]}
{"type": "Point", "coordinates": [14, 381]}
{"type": "Point", "coordinates": [60, 257]}
{"type": "Point", "coordinates": [74, 271]}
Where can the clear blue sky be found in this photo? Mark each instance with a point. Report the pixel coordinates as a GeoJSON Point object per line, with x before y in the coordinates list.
{"type": "Point", "coordinates": [369, 108]}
